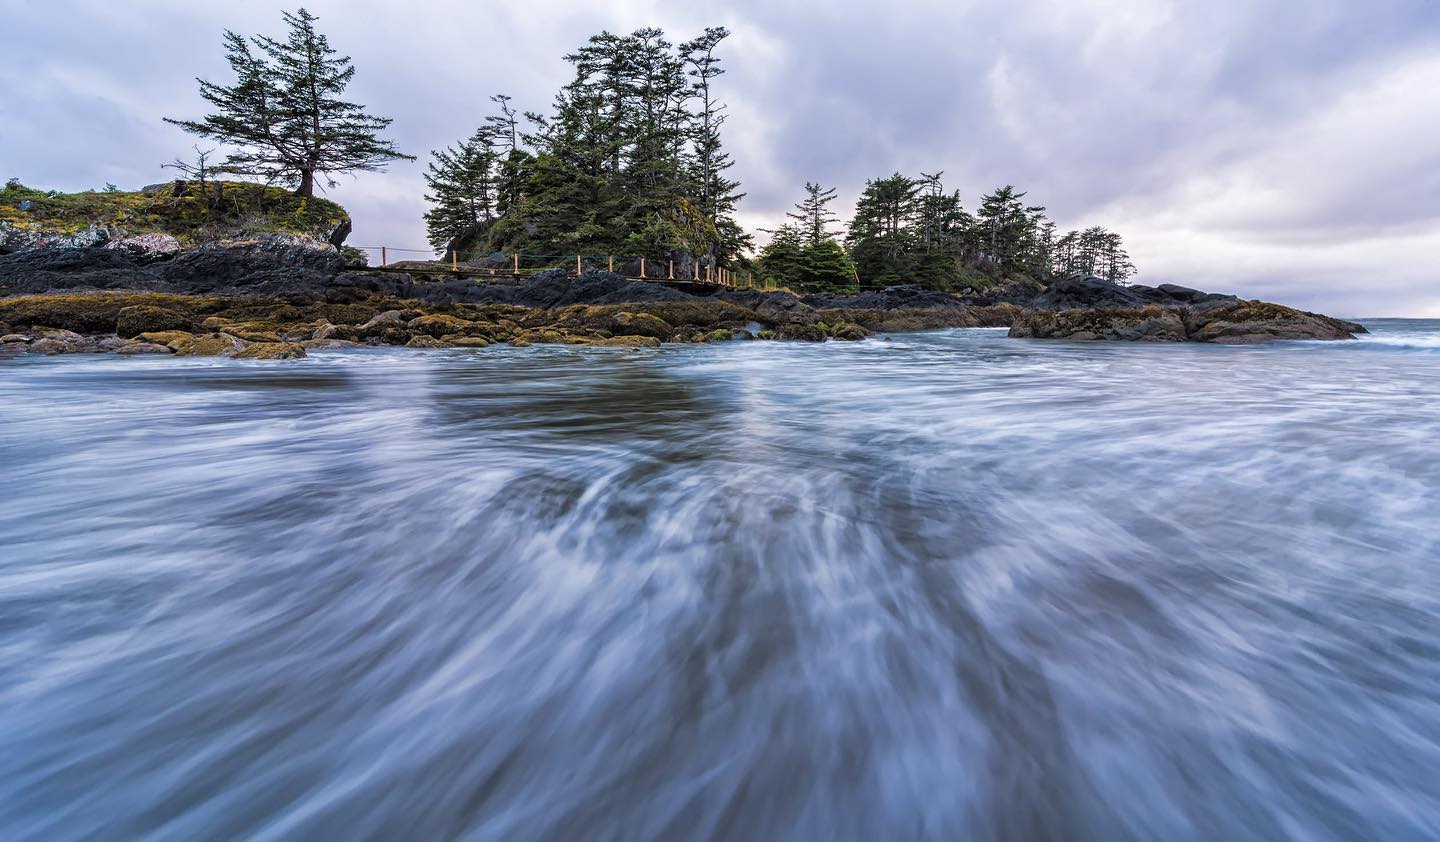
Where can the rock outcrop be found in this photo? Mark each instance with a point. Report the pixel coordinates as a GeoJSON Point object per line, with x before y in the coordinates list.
{"type": "Point", "coordinates": [1092, 309]}
{"type": "Point", "coordinates": [199, 282]}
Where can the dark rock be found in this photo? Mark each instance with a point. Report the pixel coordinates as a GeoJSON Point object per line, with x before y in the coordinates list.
{"type": "Point", "coordinates": [272, 351]}
{"type": "Point", "coordinates": [1249, 322]}
{"type": "Point", "coordinates": [215, 266]}
{"type": "Point", "coordinates": [146, 248]}
{"type": "Point", "coordinates": [133, 321]}
{"type": "Point", "coordinates": [1148, 324]}
{"type": "Point", "coordinates": [906, 297]}
{"type": "Point", "coordinates": [136, 347]}
{"type": "Point", "coordinates": [1225, 321]}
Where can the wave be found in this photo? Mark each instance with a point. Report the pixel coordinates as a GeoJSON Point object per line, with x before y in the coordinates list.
{"type": "Point", "coordinates": [1428, 342]}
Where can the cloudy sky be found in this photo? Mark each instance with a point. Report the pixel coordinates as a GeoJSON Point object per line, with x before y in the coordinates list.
{"type": "Point", "coordinates": [1284, 149]}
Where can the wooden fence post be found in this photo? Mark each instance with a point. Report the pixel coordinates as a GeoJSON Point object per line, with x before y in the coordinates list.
{"type": "Point", "coordinates": [672, 270]}
{"type": "Point", "coordinates": [578, 269]}
{"type": "Point", "coordinates": [517, 262]}
{"type": "Point", "coordinates": [612, 263]}
{"type": "Point", "coordinates": [454, 261]}
{"type": "Point", "coordinates": [384, 258]}
{"type": "Point", "coordinates": [642, 267]}
{"type": "Point", "coordinates": [709, 275]}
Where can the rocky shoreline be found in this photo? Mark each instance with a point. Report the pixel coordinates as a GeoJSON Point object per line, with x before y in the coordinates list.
{"type": "Point", "coordinates": [279, 296]}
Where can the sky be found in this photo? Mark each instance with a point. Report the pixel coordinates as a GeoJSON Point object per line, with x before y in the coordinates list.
{"type": "Point", "coordinates": [1279, 149]}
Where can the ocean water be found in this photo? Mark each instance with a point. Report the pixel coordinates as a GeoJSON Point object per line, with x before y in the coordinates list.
{"type": "Point", "coordinates": [945, 585]}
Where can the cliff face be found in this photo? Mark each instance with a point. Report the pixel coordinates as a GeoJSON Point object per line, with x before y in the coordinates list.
{"type": "Point", "coordinates": [179, 236]}
{"type": "Point", "coordinates": [168, 216]}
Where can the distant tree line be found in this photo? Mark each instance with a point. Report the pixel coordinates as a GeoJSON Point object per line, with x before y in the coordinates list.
{"type": "Point", "coordinates": [628, 161]}
{"type": "Point", "coordinates": [912, 230]}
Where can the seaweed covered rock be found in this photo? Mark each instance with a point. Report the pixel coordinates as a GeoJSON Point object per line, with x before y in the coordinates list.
{"type": "Point", "coordinates": [1248, 322]}
{"type": "Point", "coordinates": [272, 351]}
{"type": "Point", "coordinates": [140, 318]}
{"type": "Point", "coordinates": [640, 324]}
{"type": "Point", "coordinates": [1148, 324]}
{"type": "Point", "coordinates": [210, 345]}
{"type": "Point", "coordinates": [1225, 321]}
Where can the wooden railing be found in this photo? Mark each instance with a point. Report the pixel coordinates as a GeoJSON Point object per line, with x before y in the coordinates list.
{"type": "Point", "coordinates": [521, 264]}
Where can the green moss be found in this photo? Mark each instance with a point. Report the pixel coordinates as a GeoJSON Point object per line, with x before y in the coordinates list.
{"type": "Point", "coordinates": [221, 209]}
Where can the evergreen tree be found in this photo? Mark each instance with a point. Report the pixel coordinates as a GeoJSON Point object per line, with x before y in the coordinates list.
{"type": "Point", "coordinates": [782, 260]}
{"type": "Point", "coordinates": [827, 267]}
{"type": "Point", "coordinates": [811, 212]}
{"type": "Point", "coordinates": [1094, 251]}
{"type": "Point", "coordinates": [621, 163]}
{"type": "Point", "coordinates": [909, 230]}
{"type": "Point", "coordinates": [883, 237]}
{"type": "Point", "coordinates": [792, 259]}
{"type": "Point", "coordinates": [285, 114]}
{"type": "Point", "coordinates": [464, 189]}
{"type": "Point", "coordinates": [505, 129]}
{"type": "Point", "coordinates": [718, 195]}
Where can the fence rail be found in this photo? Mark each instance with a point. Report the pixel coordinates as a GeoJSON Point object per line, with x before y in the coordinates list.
{"type": "Point", "coordinates": [522, 264]}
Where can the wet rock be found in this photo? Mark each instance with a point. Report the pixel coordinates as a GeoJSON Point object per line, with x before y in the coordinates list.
{"type": "Point", "coordinates": [272, 351]}
{"type": "Point", "coordinates": [1249, 322]}
{"type": "Point", "coordinates": [135, 347]}
{"type": "Point", "coordinates": [380, 320]}
{"type": "Point", "coordinates": [467, 341]}
{"type": "Point", "coordinates": [441, 324]}
{"type": "Point", "coordinates": [14, 337]}
{"type": "Point", "coordinates": [254, 331]}
{"type": "Point", "coordinates": [327, 344]}
{"type": "Point", "coordinates": [903, 296]}
{"type": "Point", "coordinates": [624, 342]}
{"type": "Point", "coordinates": [55, 341]}
{"type": "Point", "coordinates": [1098, 293]}
{"type": "Point", "coordinates": [1149, 324]}
{"type": "Point", "coordinates": [211, 345]}
{"type": "Point", "coordinates": [146, 248]}
{"type": "Point", "coordinates": [423, 341]}
{"type": "Point", "coordinates": [848, 332]}
{"type": "Point", "coordinates": [329, 331]}
{"type": "Point", "coordinates": [801, 331]}
{"type": "Point", "coordinates": [138, 319]}
{"type": "Point", "coordinates": [250, 262]}
{"type": "Point", "coordinates": [171, 339]}
{"type": "Point", "coordinates": [640, 324]}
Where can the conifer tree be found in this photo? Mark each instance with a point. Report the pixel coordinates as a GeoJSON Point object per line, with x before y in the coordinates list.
{"type": "Point", "coordinates": [718, 195]}
{"type": "Point", "coordinates": [811, 212]}
{"type": "Point", "coordinates": [464, 189]}
{"type": "Point", "coordinates": [782, 260]}
{"type": "Point", "coordinates": [284, 112]}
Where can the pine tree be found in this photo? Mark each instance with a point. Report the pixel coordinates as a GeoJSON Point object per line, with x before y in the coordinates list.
{"type": "Point", "coordinates": [505, 129]}
{"type": "Point", "coordinates": [464, 189]}
{"type": "Point", "coordinates": [719, 195]}
{"type": "Point", "coordinates": [882, 236]}
{"type": "Point", "coordinates": [782, 260]}
{"type": "Point", "coordinates": [827, 267]}
{"type": "Point", "coordinates": [814, 217]}
{"type": "Point", "coordinates": [284, 111]}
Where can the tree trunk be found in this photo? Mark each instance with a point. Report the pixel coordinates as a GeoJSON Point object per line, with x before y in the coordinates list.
{"type": "Point", "coordinates": [307, 183]}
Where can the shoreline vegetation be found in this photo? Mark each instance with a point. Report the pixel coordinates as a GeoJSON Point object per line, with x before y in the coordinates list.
{"type": "Point", "coordinates": [629, 160]}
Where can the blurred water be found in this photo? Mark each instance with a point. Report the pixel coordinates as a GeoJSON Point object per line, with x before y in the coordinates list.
{"type": "Point", "coordinates": [945, 585]}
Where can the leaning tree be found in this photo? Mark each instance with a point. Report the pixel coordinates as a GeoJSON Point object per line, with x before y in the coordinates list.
{"type": "Point", "coordinates": [284, 114]}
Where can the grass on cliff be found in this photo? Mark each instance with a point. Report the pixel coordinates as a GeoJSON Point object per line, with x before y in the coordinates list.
{"type": "Point", "coordinates": [190, 214]}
